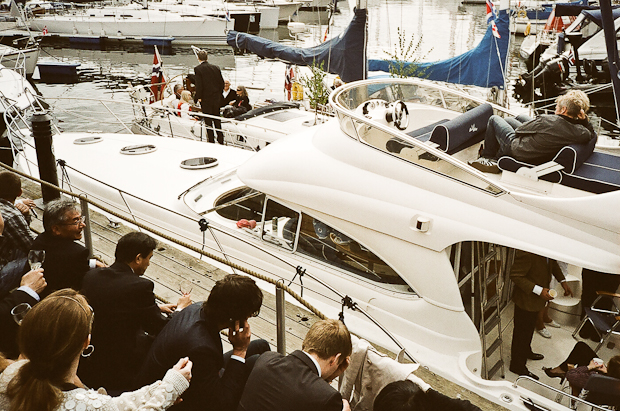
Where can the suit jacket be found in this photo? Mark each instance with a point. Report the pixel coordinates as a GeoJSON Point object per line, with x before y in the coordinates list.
{"type": "Point", "coordinates": [125, 308]}
{"type": "Point", "coordinates": [279, 383]}
{"type": "Point", "coordinates": [191, 334]}
{"type": "Point", "coordinates": [529, 270]}
{"type": "Point", "coordinates": [8, 327]}
{"type": "Point", "coordinates": [65, 263]}
{"type": "Point", "coordinates": [209, 83]}
{"type": "Point", "coordinates": [230, 96]}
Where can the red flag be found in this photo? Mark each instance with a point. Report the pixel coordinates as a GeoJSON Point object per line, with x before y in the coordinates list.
{"type": "Point", "coordinates": [157, 78]}
{"type": "Point", "coordinates": [44, 30]}
{"type": "Point", "coordinates": [288, 80]}
{"type": "Point", "coordinates": [495, 30]}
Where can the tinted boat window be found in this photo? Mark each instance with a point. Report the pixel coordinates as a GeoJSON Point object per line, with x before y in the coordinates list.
{"type": "Point", "coordinates": [320, 241]}
{"type": "Point", "coordinates": [280, 225]}
{"type": "Point", "coordinates": [249, 209]}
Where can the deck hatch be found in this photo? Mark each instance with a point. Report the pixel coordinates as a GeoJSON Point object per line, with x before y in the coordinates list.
{"type": "Point", "coordinates": [199, 163]}
{"type": "Point", "coordinates": [88, 140]}
{"type": "Point", "coordinates": [138, 149]}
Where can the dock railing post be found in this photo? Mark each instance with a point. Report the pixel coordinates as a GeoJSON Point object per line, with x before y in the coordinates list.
{"type": "Point", "coordinates": [88, 239]}
{"type": "Point", "coordinates": [280, 319]}
{"type": "Point", "coordinates": [42, 133]}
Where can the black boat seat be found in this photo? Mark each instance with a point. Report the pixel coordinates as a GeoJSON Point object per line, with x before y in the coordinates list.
{"type": "Point", "coordinates": [453, 135]}
{"type": "Point", "coordinates": [582, 168]}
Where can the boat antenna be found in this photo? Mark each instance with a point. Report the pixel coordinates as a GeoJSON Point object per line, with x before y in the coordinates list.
{"type": "Point", "coordinates": [612, 51]}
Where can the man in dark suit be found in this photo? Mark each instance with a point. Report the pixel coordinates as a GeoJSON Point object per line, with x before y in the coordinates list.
{"type": "Point", "coordinates": [217, 379]}
{"type": "Point", "coordinates": [300, 381]}
{"type": "Point", "coordinates": [125, 309]}
{"type": "Point", "coordinates": [228, 94]}
{"type": "Point", "coordinates": [531, 275]}
{"type": "Point", "coordinates": [66, 261]}
{"type": "Point", "coordinates": [209, 86]}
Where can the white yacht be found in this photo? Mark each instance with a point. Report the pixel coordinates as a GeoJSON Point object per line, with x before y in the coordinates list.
{"type": "Point", "coordinates": [377, 204]}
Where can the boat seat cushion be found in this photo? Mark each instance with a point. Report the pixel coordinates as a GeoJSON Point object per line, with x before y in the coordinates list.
{"type": "Point", "coordinates": [462, 131]}
{"type": "Point", "coordinates": [422, 134]}
{"type": "Point", "coordinates": [599, 173]}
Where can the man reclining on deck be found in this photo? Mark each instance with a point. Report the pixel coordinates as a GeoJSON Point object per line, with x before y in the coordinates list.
{"type": "Point", "coordinates": [536, 141]}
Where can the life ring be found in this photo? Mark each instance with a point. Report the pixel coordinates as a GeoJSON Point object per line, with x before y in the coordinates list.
{"type": "Point", "coordinates": [521, 13]}
{"type": "Point", "coordinates": [528, 28]}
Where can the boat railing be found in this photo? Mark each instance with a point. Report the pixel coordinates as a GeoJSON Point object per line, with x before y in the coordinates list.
{"type": "Point", "coordinates": [349, 100]}
{"type": "Point", "coordinates": [172, 234]}
{"type": "Point", "coordinates": [560, 394]}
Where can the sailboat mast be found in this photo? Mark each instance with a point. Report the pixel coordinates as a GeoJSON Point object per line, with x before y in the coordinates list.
{"type": "Point", "coordinates": [612, 50]}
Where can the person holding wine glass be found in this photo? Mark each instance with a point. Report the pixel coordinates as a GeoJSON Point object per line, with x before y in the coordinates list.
{"type": "Point", "coordinates": [45, 378]}
{"type": "Point", "coordinates": [66, 261]}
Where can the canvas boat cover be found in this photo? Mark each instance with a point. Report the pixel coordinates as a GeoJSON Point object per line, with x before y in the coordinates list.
{"type": "Point", "coordinates": [343, 55]}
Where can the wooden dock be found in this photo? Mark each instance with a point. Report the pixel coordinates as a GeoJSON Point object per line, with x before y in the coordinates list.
{"type": "Point", "coordinates": [170, 266]}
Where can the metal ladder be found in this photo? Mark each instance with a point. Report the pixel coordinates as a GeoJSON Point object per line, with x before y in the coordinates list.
{"type": "Point", "coordinates": [490, 268]}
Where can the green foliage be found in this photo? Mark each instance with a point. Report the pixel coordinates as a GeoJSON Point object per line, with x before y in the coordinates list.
{"type": "Point", "coordinates": [406, 56]}
{"type": "Point", "coordinates": [314, 88]}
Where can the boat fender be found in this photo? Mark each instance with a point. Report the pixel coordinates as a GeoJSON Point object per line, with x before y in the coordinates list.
{"type": "Point", "coordinates": [297, 91]}
{"type": "Point", "coordinates": [528, 28]}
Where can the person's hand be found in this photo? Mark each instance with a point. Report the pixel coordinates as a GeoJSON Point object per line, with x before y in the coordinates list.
{"type": "Point", "coordinates": [544, 294]}
{"type": "Point", "coordinates": [34, 280]}
{"type": "Point", "coordinates": [599, 367]}
{"type": "Point", "coordinates": [345, 405]}
{"type": "Point", "coordinates": [99, 264]}
{"type": "Point", "coordinates": [582, 115]}
{"type": "Point", "coordinates": [184, 366]}
{"type": "Point", "coordinates": [23, 208]}
{"type": "Point", "coordinates": [167, 308]}
{"type": "Point", "coordinates": [567, 290]}
{"type": "Point", "coordinates": [239, 337]}
{"type": "Point", "coordinates": [230, 103]}
{"type": "Point", "coordinates": [184, 301]}
{"type": "Point", "coordinates": [1, 225]}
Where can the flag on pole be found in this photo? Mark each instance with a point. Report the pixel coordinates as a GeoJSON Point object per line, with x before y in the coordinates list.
{"type": "Point", "coordinates": [227, 15]}
{"type": "Point", "coordinates": [45, 30]}
{"type": "Point", "coordinates": [157, 78]}
{"type": "Point", "coordinates": [491, 11]}
{"type": "Point", "coordinates": [494, 30]}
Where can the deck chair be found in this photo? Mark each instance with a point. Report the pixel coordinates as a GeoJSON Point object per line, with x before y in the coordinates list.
{"type": "Point", "coordinates": [602, 390]}
{"type": "Point", "coordinates": [605, 322]}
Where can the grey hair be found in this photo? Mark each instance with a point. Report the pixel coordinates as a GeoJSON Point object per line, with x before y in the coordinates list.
{"type": "Point", "coordinates": [55, 212]}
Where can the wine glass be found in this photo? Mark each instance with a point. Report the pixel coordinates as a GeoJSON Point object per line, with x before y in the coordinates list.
{"type": "Point", "coordinates": [36, 258]}
{"type": "Point", "coordinates": [185, 287]}
{"type": "Point", "coordinates": [19, 312]}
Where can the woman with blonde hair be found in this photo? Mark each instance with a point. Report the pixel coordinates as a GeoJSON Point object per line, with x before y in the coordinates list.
{"type": "Point", "coordinates": [185, 104]}
{"type": "Point", "coordinates": [240, 105]}
{"type": "Point", "coordinates": [52, 337]}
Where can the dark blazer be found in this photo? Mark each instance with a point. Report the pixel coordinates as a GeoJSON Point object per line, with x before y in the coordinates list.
{"type": "Point", "coordinates": [243, 102]}
{"type": "Point", "coordinates": [191, 334]}
{"type": "Point", "coordinates": [279, 383]}
{"type": "Point", "coordinates": [8, 327]}
{"type": "Point", "coordinates": [209, 82]}
{"type": "Point", "coordinates": [529, 270]}
{"type": "Point", "coordinates": [125, 308]}
{"type": "Point", "coordinates": [65, 263]}
{"type": "Point", "coordinates": [230, 96]}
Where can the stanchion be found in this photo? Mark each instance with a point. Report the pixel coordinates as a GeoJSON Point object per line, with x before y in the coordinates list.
{"type": "Point", "coordinates": [88, 239]}
{"type": "Point", "coordinates": [280, 319]}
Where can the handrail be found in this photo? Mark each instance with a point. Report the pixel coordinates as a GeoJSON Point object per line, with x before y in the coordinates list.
{"type": "Point", "coordinates": [558, 391]}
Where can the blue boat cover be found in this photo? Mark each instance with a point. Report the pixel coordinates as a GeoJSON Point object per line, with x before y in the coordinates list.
{"type": "Point", "coordinates": [595, 15]}
{"type": "Point", "coordinates": [343, 55]}
{"type": "Point", "coordinates": [483, 66]}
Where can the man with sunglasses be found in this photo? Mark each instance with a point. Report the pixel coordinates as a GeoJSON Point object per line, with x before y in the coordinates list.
{"type": "Point", "coordinates": [66, 261]}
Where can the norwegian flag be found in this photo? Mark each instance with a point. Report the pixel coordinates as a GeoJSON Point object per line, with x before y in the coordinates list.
{"type": "Point", "coordinates": [491, 11]}
{"type": "Point", "coordinates": [157, 78]}
{"type": "Point", "coordinates": [288, 80]}
{"type": "Point", "coordinates": [45, 30]}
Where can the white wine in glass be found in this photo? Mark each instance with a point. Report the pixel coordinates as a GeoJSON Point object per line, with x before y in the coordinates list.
{"type": "Point", "coordinates": [36, 259]}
